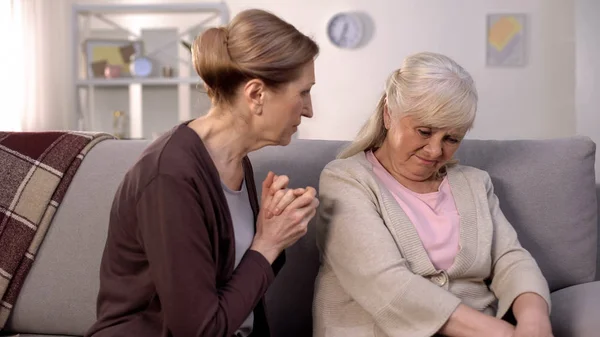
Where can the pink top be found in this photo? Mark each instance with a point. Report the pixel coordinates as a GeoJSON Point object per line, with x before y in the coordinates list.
{"type": "Point", "coordinates": [434, 215]}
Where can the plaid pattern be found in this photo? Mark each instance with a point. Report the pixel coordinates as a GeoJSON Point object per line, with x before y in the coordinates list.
{"type": "Point", "coordinates": [36, 169]}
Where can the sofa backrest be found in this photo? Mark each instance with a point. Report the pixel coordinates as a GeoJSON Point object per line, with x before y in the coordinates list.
{"type": "Point", "coordinates": [546, 189]}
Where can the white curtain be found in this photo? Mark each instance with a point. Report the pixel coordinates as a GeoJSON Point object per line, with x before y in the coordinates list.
{"type": "Point", "coordinates": [11, 65]}
{"type": "Point", "coordinates": [37, 65]}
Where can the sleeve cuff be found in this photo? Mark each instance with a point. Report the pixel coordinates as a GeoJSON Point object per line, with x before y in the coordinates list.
{"type": "Point", "coordinates": [261, 263]}
{"type": "Point", "coordinates": [512, 288]}
{"type": "Point", "coordinates": [421, 309]}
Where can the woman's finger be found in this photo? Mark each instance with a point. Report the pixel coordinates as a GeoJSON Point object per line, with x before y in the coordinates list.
{"type": "Point", "coordinates": [276, 199]}
{"type": "Point", "coordinates": [288, 197]}
{"type": "Point", "coordinates": [266, 185]}
{"type": "Point", "coordinates": [299, 191]}
{"type": "Point", "coordinates": [305, 199]}
{"type": "Point", "coordinates": [280, 182]}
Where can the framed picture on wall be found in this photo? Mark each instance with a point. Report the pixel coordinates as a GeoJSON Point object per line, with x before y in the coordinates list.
{"type": "Point", "coordinates": [506, 40]}
{"type": "Point", "coordinates": [102, 52]}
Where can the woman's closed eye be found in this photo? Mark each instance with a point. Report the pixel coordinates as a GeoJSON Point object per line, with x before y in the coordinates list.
{"type": "Point", "coordinates": [453, 138]}
{"type": "Point", "coordinates": [424, 132]}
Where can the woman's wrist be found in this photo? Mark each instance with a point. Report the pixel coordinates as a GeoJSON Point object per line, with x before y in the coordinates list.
{"type": "Point", "coordinates": [530, 307]}
{"type": "Point", "coordinates": [467, 322]}
{"type": "Point", "coordinates": [531, 316]}
{"type": "Point", "coordinates": [268, 251]}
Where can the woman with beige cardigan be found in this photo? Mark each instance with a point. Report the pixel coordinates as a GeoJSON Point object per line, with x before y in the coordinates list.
{"type": "Point", "coordinates": [413, 243]}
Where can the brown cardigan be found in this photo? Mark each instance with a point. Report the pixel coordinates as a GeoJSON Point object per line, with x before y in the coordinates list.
{"type": "Point", "coordinates": [168, 264]}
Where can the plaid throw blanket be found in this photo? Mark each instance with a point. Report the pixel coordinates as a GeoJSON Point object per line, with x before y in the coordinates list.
{"type": "Point", "coordinates": [36, 169]}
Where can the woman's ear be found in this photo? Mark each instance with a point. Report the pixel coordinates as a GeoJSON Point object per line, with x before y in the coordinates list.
{"type": "Point", "coordinates": [387, 118]}
{"type": "Point", "coordinates": [254, 92]}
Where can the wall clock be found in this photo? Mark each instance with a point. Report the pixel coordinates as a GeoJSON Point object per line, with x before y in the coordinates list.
{"type": "Point", "coordinates": [346, 30]}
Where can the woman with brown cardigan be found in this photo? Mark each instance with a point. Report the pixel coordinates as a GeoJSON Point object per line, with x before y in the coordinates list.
{"type": "Point", "coordinates": [190, 252]}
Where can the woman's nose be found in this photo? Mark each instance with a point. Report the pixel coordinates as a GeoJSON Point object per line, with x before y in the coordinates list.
{"type": "Point", "coordinates": [307, 111]}
{"type": "Point", "coordinates": [434, 148]}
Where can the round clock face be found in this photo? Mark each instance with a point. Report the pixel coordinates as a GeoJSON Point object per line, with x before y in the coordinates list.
{"type": "Point", "coordinates": [345, 30]}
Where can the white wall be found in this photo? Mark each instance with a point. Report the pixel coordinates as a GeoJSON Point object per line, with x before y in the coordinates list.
{"type": "Point", "coordinates": [588, 72]}
{"type": "Point", "coordinates": [536, 101]}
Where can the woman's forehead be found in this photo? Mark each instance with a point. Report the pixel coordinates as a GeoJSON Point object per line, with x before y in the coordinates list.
{"type": "Point", "coordinates": [414, 122]}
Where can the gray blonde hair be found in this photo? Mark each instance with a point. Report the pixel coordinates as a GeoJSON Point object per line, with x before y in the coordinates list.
{"type": "Point", "coordinates": [430, 87]}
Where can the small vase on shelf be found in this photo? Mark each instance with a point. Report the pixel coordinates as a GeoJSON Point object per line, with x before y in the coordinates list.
{"type": "Point", "coordinates": [119, 124]}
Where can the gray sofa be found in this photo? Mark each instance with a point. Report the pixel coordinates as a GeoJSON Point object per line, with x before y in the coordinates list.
{"type": "Point", "coordinates": [546, 187]}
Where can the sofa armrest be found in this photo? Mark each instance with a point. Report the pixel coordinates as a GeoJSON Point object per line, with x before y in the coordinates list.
{"type": "Point", "coordinates": [575, 311]}
{"type": "Point", "coordinates": [598, 252]}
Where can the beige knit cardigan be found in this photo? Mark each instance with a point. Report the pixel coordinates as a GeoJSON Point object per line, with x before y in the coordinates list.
{"type": "Point", "coordinates": [376, 278]}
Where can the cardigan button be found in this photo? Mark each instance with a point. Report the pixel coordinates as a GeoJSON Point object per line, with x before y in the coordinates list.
{"type": "Point", "coordinates": [440, 279]}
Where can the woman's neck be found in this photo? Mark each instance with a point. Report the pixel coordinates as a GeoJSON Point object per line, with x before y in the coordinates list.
{"type": "Point", "coordinates": [422, 185]}
{"type": "Point", "coordinates": [228, 140]}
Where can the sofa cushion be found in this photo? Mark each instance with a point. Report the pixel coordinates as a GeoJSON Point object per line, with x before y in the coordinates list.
{"type": "Point", "coordinates": [575, 311]}
{"type": "Point", "coordinates": [59, 294]}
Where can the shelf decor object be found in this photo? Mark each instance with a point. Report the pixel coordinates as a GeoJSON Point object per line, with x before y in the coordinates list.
{"type": "Point", "coordinates": [140, 66]}
{"type": "Point", "coordinates": [100, 53]}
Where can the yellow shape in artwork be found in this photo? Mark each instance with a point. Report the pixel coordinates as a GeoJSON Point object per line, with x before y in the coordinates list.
{"type": "Point", "coordinates": [110, 54]}
{"type": "Point", "coordinates": [503, 31]}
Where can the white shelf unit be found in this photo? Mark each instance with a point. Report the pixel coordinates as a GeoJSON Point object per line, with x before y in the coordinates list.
{"type": "Point", "coordinates": [128, 21]}
{"type": "Point", "coordinates": [142, 81]}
